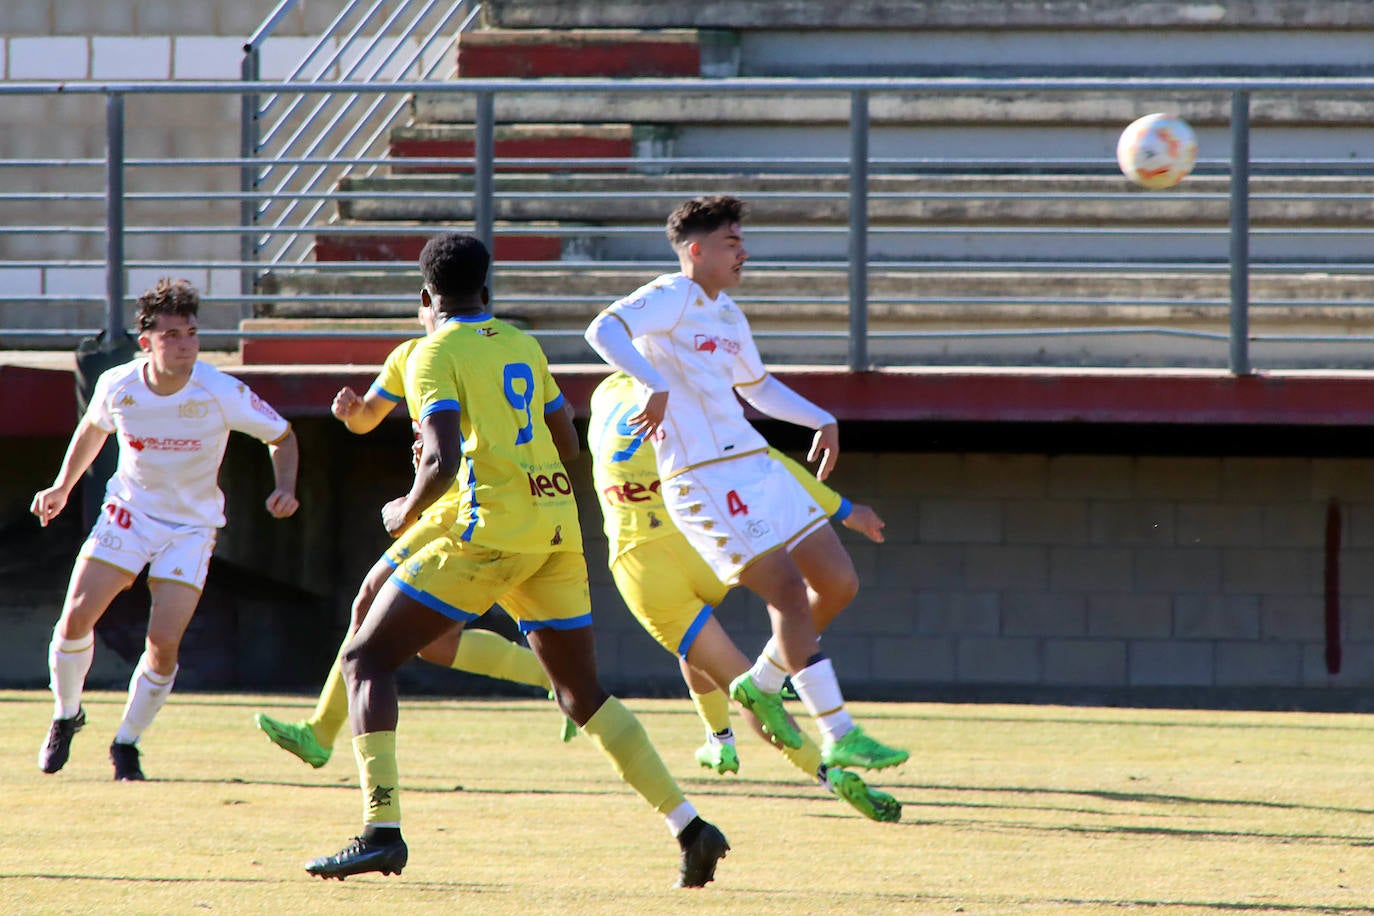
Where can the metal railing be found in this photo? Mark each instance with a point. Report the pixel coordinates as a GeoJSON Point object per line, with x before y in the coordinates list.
{"type": "Point", "coordinates": [132, 245]}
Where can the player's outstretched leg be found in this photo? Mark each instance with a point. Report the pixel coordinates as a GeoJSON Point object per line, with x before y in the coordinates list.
{"type": "Point", "coordinates": [58, 747]}
{"type": "Point", "coordinates": [296, 738]}
{"type": "Point", "coordinates": [769, 709]}
{"type": "Point", "coordinates": [856, 749]}
{"type": "Point", "coordinates": [872, 804]}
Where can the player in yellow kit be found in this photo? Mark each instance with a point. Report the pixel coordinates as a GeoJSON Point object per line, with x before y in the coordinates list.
{"type": "Point", "coordinates": [673, 593]}
{"type": "Point", "coordinates": [477, 652]}
{"type": "Point", "coordinates": [491, 418]}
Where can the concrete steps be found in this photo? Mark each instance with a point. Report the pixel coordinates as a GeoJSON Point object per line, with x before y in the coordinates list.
{"type": "Point", "coordinates": [895, 199]}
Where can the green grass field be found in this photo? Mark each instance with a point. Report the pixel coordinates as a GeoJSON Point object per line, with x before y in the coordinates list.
{"type": "Point", "coordinates": [1008, 809]}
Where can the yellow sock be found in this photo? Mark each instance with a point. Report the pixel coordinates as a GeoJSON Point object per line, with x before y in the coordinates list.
{"type": "Point", "coordinates": [618, 734]}
{"type": "Point", "coordinates": [714, 709]}
{"type": "Point", "coordinates": [331, 712]}
{"type": "Point", "coordinates": [806, 758]}
{"type": "Point", "coordinates": [376, 756]}
{"type": "Point", "coordinates": [491, 654]}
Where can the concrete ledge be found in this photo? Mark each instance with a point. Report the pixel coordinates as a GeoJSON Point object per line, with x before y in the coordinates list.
{"type": "Point", "coordinates": [928, 14]}
{"type": "Point", "coordinates": [893, 108]}
{"type": "Point", "coordinates": [531, 141]}
{"type": "Point", "coordinates": [1179, 397]}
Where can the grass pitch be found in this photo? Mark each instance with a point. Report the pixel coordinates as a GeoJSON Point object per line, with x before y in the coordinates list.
{"type": "Point", "coordinates": [1008, 809]}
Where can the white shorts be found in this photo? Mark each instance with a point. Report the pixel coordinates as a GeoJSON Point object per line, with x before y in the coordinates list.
{"type": "Point", "coordinates": [734, 511]}
{"type": "Point", "coordinates": [130, 540]}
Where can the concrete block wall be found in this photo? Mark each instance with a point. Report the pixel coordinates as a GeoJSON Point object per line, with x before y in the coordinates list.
{"type": "Point", "coordinates": [1077, 578]}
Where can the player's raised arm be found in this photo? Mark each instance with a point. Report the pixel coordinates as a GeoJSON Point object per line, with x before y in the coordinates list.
{"type": "Point", "coordinates": [772, 397]}
{"type": "Point", "coordinates": [86, 443]}
{"type": "Point", "coordinates": [610, 338]}
{"type": "Point", "coordinates": [361, 414]}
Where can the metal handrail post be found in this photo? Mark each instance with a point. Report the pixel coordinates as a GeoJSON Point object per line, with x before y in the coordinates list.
{"type": "Point", "coordinates": [858, 232]}
{"type": "Point", "coordinates": [1240, 233]}
{"type": "Point", "coordinates": [248, 176]}
{"type": "Point", "coordinates": [114, 218]}
{"type": "Point", "coordinates": [484, 181]}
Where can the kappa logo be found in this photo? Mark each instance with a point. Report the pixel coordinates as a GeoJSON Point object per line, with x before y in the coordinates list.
{"type": "Point", "coordinates": [127, 401]}
{"type": "Point", "coordinates": [655, 521]}
{"type": "Point", "coordinates": [700, 301]}
{"type": "Point", "coordinates": [177, 571]}
{"type": "Point", "coordinates": [487, 332]}
{"type": "Point", "coordinates": [380, 796]}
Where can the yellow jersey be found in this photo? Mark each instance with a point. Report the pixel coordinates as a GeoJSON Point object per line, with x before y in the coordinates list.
{"type": "Point", "coordinates": [514, 493]}
{"type": "Point", "coordinates": [625, 473]}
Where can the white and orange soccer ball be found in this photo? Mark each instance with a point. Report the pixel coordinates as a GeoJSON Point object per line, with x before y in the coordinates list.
{"type": "Point", "coordinates": [1157, 151]}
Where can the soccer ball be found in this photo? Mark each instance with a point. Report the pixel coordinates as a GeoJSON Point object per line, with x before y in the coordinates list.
{"type": "Point", "coordinates": [1157, 151]}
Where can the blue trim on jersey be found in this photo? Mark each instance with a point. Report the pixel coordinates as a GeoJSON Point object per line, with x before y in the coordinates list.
{"type": "Point", "coordinates": [842, 513]}
{"type": "Point", "coordinates": [440, 406]}
{"type": "Point", "coordinates": [468, 319]}
{"type": "Point", "coordinates": [572, 623]}
{"type": "Point", "coordinates": [383, 393]}
{"type": "Point", "coordinates": [555, 403]}
{"type": "Point", "coordinates": [472, 490]}
{"type": "Point", "coordinates": [694, 630]}
{"type": "Point", "coordinates": [431, 602]}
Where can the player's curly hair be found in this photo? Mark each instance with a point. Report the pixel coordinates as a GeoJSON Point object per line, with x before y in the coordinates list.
{"type": "Point", "coordinates": [455, 265]}
{"type": "Point", "coordinates": [169, 297]}
{"type": "Point", "coordinates": [703, 215]}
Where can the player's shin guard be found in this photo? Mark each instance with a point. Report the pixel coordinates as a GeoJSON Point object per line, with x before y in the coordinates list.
{"type": "Point", "coordinates": [492, 655]}
{"type": "Point", "coordinates": [69, 660]}
{"type": "Point", "coordinates": [377, 774]}
{"type": "Point", "coordinates": [618, 734]}
{"type": "Point", "coordinates": [331, 711]}
{"type": "Point", "coordinates": [806, 758]}
{"type": "Point", "coordinates": [714, 709]}
{"type": "Point", "coordinates": [148, 691]}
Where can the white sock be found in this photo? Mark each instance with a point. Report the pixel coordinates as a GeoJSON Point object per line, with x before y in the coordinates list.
{"type": "Point", "coordinates": [680, 817]}
{"type": "Point", "coordinates": [69, 660]}
{"type": "Point", "coordinates": [725, 737]}
{"type": "Point", "coordinates": [819, 691]}
{"type": "Point", "coordinates": [148, 690]}
{"type": "Point", "coordinates": [768, 671]}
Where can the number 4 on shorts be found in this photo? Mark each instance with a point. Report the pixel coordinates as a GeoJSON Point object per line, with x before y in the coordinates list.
{"type": "Point", "coordinates": [735, 504]}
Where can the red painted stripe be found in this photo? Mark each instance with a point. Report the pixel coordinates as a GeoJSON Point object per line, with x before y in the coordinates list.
{"type": "Point", "coordinates": [407, 247]}
{"type": "Point", "coordinates": [608, 59]}
{"type": "Point", "coordinates": [1107, 396]}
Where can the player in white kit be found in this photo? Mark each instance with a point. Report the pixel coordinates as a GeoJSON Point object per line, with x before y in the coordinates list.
{"type": "Point", "coordinates": [172, 415]}
{"type": "Point", "coordinates": [688, 344]}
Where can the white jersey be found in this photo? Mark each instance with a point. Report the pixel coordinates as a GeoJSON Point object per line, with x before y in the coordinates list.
{"type": "Point", "coordinates": [170, 446]}
{"type": "Point", "coordinates": [704, 348]}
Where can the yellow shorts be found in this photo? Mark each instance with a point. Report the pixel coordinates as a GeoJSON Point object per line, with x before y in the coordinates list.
{"type": "Point", "coordinates": [669, 588]}
{"type": "Point", "coordinates": [430, 526]}
{"type": "Point", "coordinates": [461, 580]}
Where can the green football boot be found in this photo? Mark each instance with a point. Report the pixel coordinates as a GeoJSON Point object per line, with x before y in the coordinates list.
{"type": "Point", "coordinates": [719, 757]}
{"type": "Point", "coordinates": [856, 749]}
{"type": "Point", "coordinates": [296, 737]}
{"type": "Point", "coordinates": [569, 731]}
{"type": "Point", "coordinates": [768, 707]}
{"type": "Point", "coordinates": [872, 804]}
